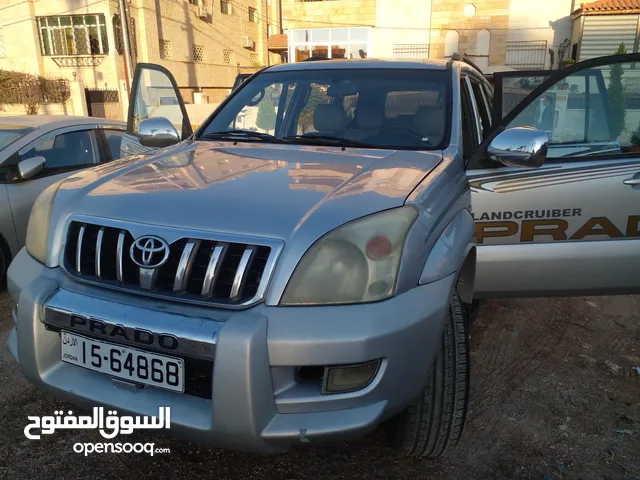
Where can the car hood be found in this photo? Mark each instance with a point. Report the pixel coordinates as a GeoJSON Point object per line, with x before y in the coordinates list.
{"type": "Point", "coordinates": [247, 188]}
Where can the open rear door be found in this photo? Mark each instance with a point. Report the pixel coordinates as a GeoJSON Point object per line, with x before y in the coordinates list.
{"type": "Point", "coordinates": [155, 93]}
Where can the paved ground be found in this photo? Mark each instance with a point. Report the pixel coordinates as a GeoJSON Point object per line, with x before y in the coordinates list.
{"type": "Point", "coordinates": [553, 396]}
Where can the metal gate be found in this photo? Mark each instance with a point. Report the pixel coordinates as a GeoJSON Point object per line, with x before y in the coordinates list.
{"type": "Point", "coordinates": [103, 103]}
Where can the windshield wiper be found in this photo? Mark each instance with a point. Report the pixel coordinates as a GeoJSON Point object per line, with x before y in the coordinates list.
{"type": "Point", "coordinates": [327, 140]}
{"type": "Point", "coordinates": [242, 135]}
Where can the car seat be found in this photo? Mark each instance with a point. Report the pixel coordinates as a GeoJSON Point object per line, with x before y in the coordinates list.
{"type": "Point", "coordinates": [329, 119]}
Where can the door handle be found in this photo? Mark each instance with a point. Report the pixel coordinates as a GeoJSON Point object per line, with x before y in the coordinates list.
{"type": "Point", "coordinates": [631, 181]}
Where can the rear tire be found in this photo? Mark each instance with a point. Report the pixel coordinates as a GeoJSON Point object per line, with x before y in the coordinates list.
{"type": "Point", "coordinates": [435, 421]}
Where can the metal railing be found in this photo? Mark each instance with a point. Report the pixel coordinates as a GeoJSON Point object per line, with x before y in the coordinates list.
{"type": "Point", "coordinates": [419, 51]}
{"type": "Point", "coordinates": [526, 55]}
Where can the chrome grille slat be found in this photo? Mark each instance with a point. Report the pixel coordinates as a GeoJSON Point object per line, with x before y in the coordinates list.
{"type": "Point", "coordinates": [79, 251]}
{"type": "Point", "coordinates": [148, 278]}
{"type": "Point", "coordinates": [213, 268]}
{"type": "Point", "coordinates": [240, 277]}
{"type": "Point", "coordinates": [229, 272]}
{"type": "Point", "coordinates": [184, 267]}
{"type": "Point", "coordinates": [119, 258]}
{"type": "Point", "coordinates": [99, 251]}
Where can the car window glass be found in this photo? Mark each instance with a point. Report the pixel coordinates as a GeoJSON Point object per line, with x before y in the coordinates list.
{"type": "Point", "coordinates": [317, 95]}
{"type": "Point", "coordinates": [591, 112]}
{"type": "Point", "coordinates": [261, 113]}
{"type": "Point", "coordinates": [483, 109]}
{"type": "Point", "coordinates": [122, 144]}
{"type": "Point", "coordinates": [9, 134]}
{"type": "Point", "coordinates": [516, 88]}
{"type": "Point", "coordinates": [64, 152]}
{"type": "Point", "coordinates": [488, 93]}
{"type": "Point", "coordinates": [156, 97]}
{"type": "Point", "coordinates": [377, 108]}
{"type": "Point", "coordinates": [469, 127]}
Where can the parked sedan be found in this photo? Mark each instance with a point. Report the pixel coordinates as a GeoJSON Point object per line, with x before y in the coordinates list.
{"type": "Point", "coordinates": [36, 151]}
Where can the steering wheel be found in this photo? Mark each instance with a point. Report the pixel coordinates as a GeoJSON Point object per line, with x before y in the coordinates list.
{"type": "Point", "coordinates": [396, 131]}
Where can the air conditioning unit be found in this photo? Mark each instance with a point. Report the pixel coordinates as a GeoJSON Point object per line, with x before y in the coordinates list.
{"type": "Point", "coordinates": [247, 42]}
{"type": "Point", "coordinates": [203, 12]}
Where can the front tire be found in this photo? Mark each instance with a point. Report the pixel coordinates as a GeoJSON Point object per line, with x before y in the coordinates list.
{"type": "Point", "coordinates": [434, 422]}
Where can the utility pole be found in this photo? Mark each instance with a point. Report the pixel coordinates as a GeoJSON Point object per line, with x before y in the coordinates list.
{"type": "Point", "coordinates": [124, 22]}
{"type": "Point", "coordinates": [266, 2]}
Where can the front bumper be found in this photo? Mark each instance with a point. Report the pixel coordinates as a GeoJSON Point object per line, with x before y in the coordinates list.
{"type": "Point", "coordinates": [257, 403]}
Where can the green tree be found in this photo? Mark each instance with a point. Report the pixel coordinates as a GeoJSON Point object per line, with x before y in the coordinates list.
{"type": "Point", "coordinates": [266, 119]}
{"type": "Point", "coordinates": [616, 97]}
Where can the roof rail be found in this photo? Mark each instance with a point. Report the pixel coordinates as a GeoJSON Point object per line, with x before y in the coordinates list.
{"type": "Point", "coordinates": [462, 57]}
{"type": "Point", "coordinates": [315, 58]}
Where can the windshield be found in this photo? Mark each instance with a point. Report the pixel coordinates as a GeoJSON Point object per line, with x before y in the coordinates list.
{"type": "Point", "coordinates": [373, 108]}
{"type": "Point", "coordinates": [9, 134]}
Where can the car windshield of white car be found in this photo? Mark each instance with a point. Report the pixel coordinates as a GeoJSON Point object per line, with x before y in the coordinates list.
{"type": "Point", "coordinates": [389, 108]}
{"type": "Point", "coordinates": [11, 133]}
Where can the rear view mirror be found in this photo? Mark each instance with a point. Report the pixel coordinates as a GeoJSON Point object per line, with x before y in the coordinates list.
{"type": "Point", "coordinates": [31, 166]}
{"type": "Point", "coordinates": [342, 89]}
{"type": "Point", "coordinates": [157, 132]}
{"type": "Point", "coordinates": [520, 147]}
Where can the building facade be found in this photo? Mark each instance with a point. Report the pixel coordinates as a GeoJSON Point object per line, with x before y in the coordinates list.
{"type": "Point", "coordinates": [600, 27]}
{"type": "Point", "coordinates": [511, 33]}
{"type": "Point", "coordinates": [204, 43]}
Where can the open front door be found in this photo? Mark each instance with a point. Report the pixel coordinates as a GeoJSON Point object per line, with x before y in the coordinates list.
{"type": "Point", "coordinates": [572, 226]}
{"type": "Point", "coordinates": [155, 93]}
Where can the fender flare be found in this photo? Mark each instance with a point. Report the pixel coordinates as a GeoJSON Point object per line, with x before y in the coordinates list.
{"type": "Point", "coordinates": [454, 252]}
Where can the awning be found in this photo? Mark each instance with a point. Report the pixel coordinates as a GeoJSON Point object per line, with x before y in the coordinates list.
{"type": "Point", "coordinates": [278, 42]}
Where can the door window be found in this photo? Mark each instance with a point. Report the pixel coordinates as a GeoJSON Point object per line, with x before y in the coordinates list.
{"type": "Point", "coordinates": [483, 106]}
{"type": "Point", "coordinates": [592, 112]}
{"type": "Point", "coordinates": [121, 144]}
{"type": "Point", "coordinates": [516, 87]}
{"type": "Point", "coordinates": [155, 94]}
{"type": "Point", "coordinates": [470, 127]}
{"type": "Point", "coordinates": [67, 151]}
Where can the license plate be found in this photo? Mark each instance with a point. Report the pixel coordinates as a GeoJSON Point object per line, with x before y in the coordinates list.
{"type": "Point", "coordinates": [126, 363]}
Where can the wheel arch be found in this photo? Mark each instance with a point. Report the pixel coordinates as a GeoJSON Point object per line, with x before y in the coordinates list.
{"type": "Point", "coordinates": [465, 282]}
{"type": "Point", "coordinates": [454, 252]}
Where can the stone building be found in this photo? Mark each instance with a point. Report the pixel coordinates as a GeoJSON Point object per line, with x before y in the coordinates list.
{"type": "Point", "coordinates": [513, 33]}
{"type": "Point", "coordinates": [204, 43]}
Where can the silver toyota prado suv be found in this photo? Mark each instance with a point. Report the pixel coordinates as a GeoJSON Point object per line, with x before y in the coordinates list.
{"type": "Point", "coordinates": [302, 267]}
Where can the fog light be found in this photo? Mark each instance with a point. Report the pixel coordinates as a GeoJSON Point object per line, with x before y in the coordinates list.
{"type": "Point", "coordinates": [347, 378]}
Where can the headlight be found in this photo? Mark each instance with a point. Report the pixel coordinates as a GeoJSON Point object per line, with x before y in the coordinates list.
{"type": "Point", "coordinates": [38, 229]}
{"type": "Point", "coordinates": [357, 262]}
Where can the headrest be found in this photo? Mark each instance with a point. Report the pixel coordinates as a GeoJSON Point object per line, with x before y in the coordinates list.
{"type": "Point", "coordinates": [429, 121]}
{"type": "Point", "coordinates": [329, 117]}
{"type": "Point", "coordinates": [369, 115]}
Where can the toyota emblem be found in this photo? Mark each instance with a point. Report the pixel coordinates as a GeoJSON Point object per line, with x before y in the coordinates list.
{"type": "Point", "coordinates": [149, 251]}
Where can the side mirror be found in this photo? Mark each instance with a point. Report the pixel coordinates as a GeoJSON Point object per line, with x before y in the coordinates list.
{"type": "Point", "coordinates": [520, 147]}
{"type": "Point", "coordinates": [157, 132]}
{"type": "Point", "coordinates": [28, 167]}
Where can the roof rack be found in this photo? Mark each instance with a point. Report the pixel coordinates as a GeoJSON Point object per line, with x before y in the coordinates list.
{"type": "Point", "coordinates": [462, 57]}
{"type": "Point", "coordinates": [315, 58]}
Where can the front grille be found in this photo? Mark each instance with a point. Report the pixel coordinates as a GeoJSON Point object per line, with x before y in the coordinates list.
{"type": "Point", "coordinates": [197, 270]}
